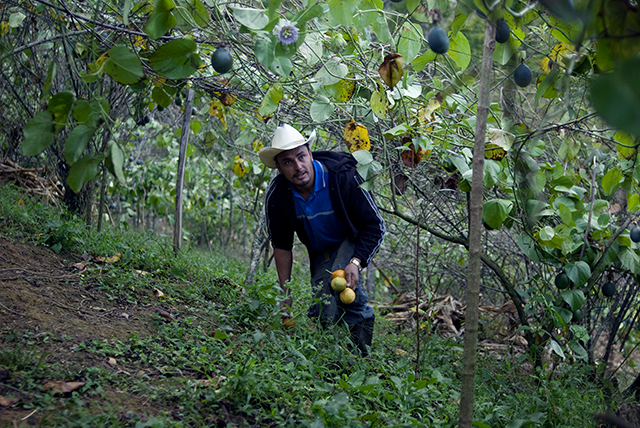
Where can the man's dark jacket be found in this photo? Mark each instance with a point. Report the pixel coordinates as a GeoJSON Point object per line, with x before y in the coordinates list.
{"type": "Point", "coordinates": [353, 205]}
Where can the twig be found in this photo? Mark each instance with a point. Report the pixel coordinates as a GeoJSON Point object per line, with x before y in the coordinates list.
{"type": "Point", "coordinates": [29, 415]}
{"type": "Point", "coordinates": [13, 312]}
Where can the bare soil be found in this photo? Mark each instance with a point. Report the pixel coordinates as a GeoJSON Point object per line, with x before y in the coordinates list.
{"type": "Point", "coordinates": [42, 292]}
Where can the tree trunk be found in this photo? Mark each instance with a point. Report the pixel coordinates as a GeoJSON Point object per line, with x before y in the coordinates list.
{"type": "Point", "coordinates": [475, 235]}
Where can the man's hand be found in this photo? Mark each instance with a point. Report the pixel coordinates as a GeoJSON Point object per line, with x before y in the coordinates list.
{"type": "Point", "coordinates": [352, 275]}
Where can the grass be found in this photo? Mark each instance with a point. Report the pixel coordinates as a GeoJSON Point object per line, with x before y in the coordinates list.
{"type": "Point", "coordinates": [226, 361]}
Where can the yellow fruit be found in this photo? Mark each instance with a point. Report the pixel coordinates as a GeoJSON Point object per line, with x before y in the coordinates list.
{"type": "Point", "coordinates": [348, 296]}
{"type": "Point", "coordinates": [288, 322]}
{"type": "Point", "coordinates": [338, 273]}
{"type": "Point", "coordinates": [338, 283]}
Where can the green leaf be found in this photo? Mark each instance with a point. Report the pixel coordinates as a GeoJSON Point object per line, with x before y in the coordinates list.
{"type": "Point", "coordinates": [381, 29]}
{"type": "Point", "coordinates": [82, 171]}
{"type": "Point", "coordinates": [123, 66]}
{"type": "Point", "coordinates": [574, 298]}
{"type": "Point", "coordinates": [556, 348]}
{"type": "Point", "coordinates": [282, 65]}
{"type": "Point", "coordinates": [312, 49]}
{"type": "Point", "coordinates": [254, 19]}
{"type": "Point", "coordinates": [321, 109]}
{"type": "Point", "coordinates": [397, 131]}
{"type": "Point", "coordinates": [368, 12]}
{"type": "Point", "coordinates": [547, 233]}
{"type": "Point", "coordinates": [460, 50]}
{"type": "Point", "coordinates": [577, 349]}
{"type": "Point", "coordinates": [363, 157]}
{"type": "Point", "coordinates": [51, 74]}
{"type": "Point", "coordinates": [271, 100]}
{"type": "Point", "coordinates": [115, 161]}
{"type": "Point", "coordinates": [177, 59]}
{"type": "Point", "coordinates": [625, 144]}
{"type": "Point", "coordinates": [548, 82]}
{"type": "Point", "coordinates": [611, 180]}
{"type": "Point", "coordinates": [198, 12]}
{"type": "Point", "coordinates": [264, 50]}
{"type": "Point", "coordinates": [343, 10]}
{"type": "Point", "coordinates": [633, 200]}
{"type": "Point", "coordinates": [161, 19]}
{"type": "Point", "coordinates": [495, 212]}
{"type": "Point", "coordinates": [380, 103]}
{"type": "Point", "coordinates": [629, 259]}
{"type": "Point", "coordinates": [332, 72]}
{"type": "Point", "coordinates": [421, 62]}
{"type": "Point", "coordinates": [616, 96]}
{"type": "Point", "coordinates": [15, 19]}
{"type": "Point", "coordinates": [163, 95]}
{"type": "Point", "coordinates": [410, 41]}
{"type": "Point", "coordinates": [77, 142]}
{"type": "Point", "coordinates": [566, 215]}
{"type": "Point", "coordinates": [38, 134]}
{"type": "Point", "coordinates": [60, 106]}
{"type": "Point", "coordinates": [578, 272]}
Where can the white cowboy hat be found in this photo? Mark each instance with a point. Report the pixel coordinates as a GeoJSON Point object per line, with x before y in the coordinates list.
{"type": "Point", "coordinates": [285, 138]}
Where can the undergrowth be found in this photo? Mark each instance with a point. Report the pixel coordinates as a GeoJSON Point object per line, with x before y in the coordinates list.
{"type": "Point", "coordinates": [225, 360]}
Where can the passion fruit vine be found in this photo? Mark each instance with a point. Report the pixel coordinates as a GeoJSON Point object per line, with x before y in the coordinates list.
{"type": "Point", "coordinates": [502, 31]}
{"type": "Point", "coordinates": [438, 40]}
{"type": "Point", "coordinates": [522, 75]}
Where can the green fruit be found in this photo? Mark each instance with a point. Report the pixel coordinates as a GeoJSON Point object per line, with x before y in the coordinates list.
{"type": "Point", "coordinates": [221, 60]}
{"type": "Point", "coordinates": [146, 119]}
{"type": "Point", "coordinates": [635, 234]}
{"type": "Point", "coordinates": [608, 289]}
{"type": "Point", "coordinates": [194, 110]}
{"type": "Point", "coordinates": [160, 108]}
{"type": "Point", "coordinates": [522, 75]}
{"type": "Point", "coordinates": [438, 40]}
{"type": "Point", "coordinates": [178, 101]}
{"type": "Point", "coordinates": [502, 31]}
{"type": "Point", "coordinates": [577, 315]}
{"type": "Point", "coordinates": [562, 281]}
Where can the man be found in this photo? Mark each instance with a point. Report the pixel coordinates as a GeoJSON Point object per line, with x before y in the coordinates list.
{"type": "Point", "coordinates": [318, 196]}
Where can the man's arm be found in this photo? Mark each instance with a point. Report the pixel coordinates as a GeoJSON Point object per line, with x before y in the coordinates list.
{"type": "Point", "coordinates": [284, 263]}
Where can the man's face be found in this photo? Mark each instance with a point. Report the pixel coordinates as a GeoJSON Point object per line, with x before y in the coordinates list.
{"type": "Point", "coordinates": [297, 166]}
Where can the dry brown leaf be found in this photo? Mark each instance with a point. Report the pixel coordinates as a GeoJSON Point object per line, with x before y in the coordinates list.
{"type": "Point", "coordinates": [62, 386]}
{"type": "Point", "coordinates": [166, 315]}
{"type": "Point", "coordinates": [159, 293]}
{"type": "Point", "coordinates": [8, 401]}
{"type": "Point", "coordinates": [392, 69]}
{"type": "Point", "coordinates": [112, 361]}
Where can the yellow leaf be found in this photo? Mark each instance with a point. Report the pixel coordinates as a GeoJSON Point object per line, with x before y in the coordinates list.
{"type": "Point", "coordinates": [4, 28]}
{"type": "Point", "coordinates": [494, 151]}
{"type": "Point", "coordinates": [343, 90]}
{"type": "Point", "coordinates": [357, 136]}
{"type": "Point", "coordinates": [239, 168]}
{"type": "Point", "coordinates": [380, 103]}
{"type": "Point", "coordinates": [555, 56]}
{"type": "Point", "coordinates": [216, 110]}
{"type": "Point", "coordinates": [101, 61]}
{"type": "Point", "coordinates": [425, 114]}
{"type": "Point", "coordinates": [257, 145]}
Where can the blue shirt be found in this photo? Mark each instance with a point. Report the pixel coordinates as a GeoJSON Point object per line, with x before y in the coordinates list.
{"type": "Point", "coordinates": [320, 221]}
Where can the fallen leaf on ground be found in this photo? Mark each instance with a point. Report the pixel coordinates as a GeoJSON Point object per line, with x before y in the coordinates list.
{"type": "Point", "coordinates": [166, 315]}
{"type": "Point", "coordinates": [8, 401]}
{"type": "Point", "coordinates": [62, 386]}
{"type": "Point", "coordinates": [112, 361]}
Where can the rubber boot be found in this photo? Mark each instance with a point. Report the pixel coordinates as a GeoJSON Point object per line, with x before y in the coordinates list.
{"type": "Point", "coordinates": [362, 335]}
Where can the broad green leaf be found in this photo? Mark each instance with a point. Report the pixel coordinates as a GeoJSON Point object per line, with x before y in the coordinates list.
{"type": "Point", "coordinates": [381, 29]}
{"type": "Point", "coordinates": [282, 65]}
{"type": "Point", "coordinates": [460, 50]}
{"type": "Point", "coordinates": [369, 11]}
{"type": "Point", "coordinates": [611, 180]}
{"type": "Point", "coordinates": [616, 96]}
{"type": "Point", "coordinates": [332, 72]}
{"type": "Point", "coordinates": [547, 233]}
{"type": "Point", "coordinates": [321, 109]}
{"type": "Point", "coordinates": [161, 19]}
{"type": "Point", "coordinates": [163, 95]}
{"type": "Point", "coordinates": [82, 171]}
{"type": "Point", "coordinates": [271, 100]}
{"type": "Point", "coordinates": [306, 15]}
{"type": "Point", "coordinates": [556, 348]}
{"type": "Point", "coordinates": [574, 298]}
{"type": "Point", "coordinates": [60, 106]}
{"type": "Point", "coordinates": [495, 212]}
{"type": "Point", "coordinates": [312, 49]}
{"type": "Point", "coordinates": [125, 11]}
{"type": "Point", "coordinates": [15, 19]}
{"type": "Point", "coordinates": [264, 50]}
{"type": "Point", "coordinates": [115, 161]}
{"type": "Point", "coordinates": [363, 157]}
{"type": "Point", "coordinates": [182, 12]}
{"type": "Point", "coordinates": [549, 81]}
{"type": "Point", "coordinates": [38, 134]}
{"type": "Point", "coordinates": [633, 200]}
{"type": "Point", "coordinates": [577, 349]}
{"type": "Point", "coordinates": [566, 215]}
{"type": "Point", "coordinates": [380, 103]}
{"type": "Point", "coordinates": [177, 59]}
{"type": "Point", "coordinates": [90, 112]}
{"type": "Point", "coordinates": [123, 66]}
{"type": "Point", "coordinates": [199, 13]}
{"type": "Point", "coordinates": [254, 19]}
{"type": "Point", "coordinates": [77, 141]}
{"type": "Point", "coordinates": [410, 41]}
{"type": "Point", "coordinates": [629, 258]}
{"type": "Point", "coordinates": [563, 316]}
{"type": "Point", "coordinates": [397, 131]}
{"type": "Point", "coordinates": [578, 272]}
{"type": "Point", "coordinates": [421, 62]}
{"type": "Point", "coordinates": [343, 10]}
{"type": "Point", "coordinates": [625, 144]}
